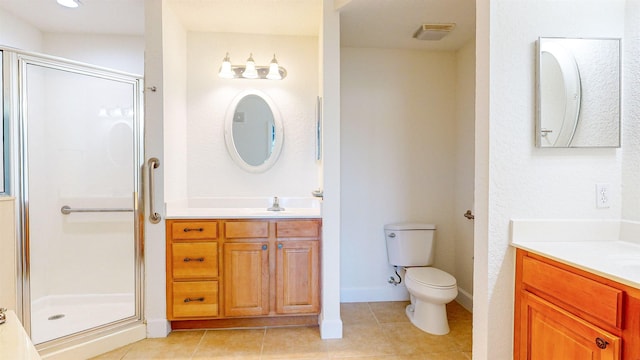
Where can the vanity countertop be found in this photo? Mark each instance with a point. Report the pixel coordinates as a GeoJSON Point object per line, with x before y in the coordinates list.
{"type": "Point", "coordinates": [596, 247]}
{"type": "Point", "coordinates": [243, 208]}
{"type": "Point", "coordinates": [240, 213]}
{"type": "Point", "coordinates": [14, 342]}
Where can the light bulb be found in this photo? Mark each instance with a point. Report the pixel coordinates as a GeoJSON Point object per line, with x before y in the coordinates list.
{"type": "Point", "coordinates": [69, 3]}
{"type": "Point", "coordinates": [274, 70]}
{"type": "Point", "coordinates": [250, 71]}
{"type": "Point", "coordinates": [225, 70]}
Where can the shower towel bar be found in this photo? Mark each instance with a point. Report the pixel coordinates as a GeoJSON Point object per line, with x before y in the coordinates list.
{"type": "Point", "coordinates": [66, 210]}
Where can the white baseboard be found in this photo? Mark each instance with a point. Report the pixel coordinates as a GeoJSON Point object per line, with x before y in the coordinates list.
{"type": "Point", "coordinates": [395, 293]}
{"type": "Point", "coordinates": [465, 299]}
{"type": "Point", "coordinates": [387, 293]}
{"type": "Point", "coordinates": [330, 329]}
{"type": "Point", "coordinates": [100, 345]}
{"type": "Point", "coordinates": [158, 328]}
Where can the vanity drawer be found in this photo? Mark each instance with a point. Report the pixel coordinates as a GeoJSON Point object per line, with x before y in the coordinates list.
{"type": "Point", "coordinates": [246, 229]}
{"type": "Point", "coordinates": [195, 299]}
{"type": "Point", "coordinates": [586, 297]}
{"type": "Point", "coordinates": [298, 228]}
{"type": "Point", "coordinates": [194, 260]}
{"type": "Point", "coordinates": [194, 230]}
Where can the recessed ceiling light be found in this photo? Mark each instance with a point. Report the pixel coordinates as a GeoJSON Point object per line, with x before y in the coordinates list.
{"type": "Point", "coordinates": [69, 3]}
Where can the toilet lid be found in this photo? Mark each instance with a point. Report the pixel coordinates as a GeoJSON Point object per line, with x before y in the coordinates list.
{"type": "Point", "coordinates": [430, 276]}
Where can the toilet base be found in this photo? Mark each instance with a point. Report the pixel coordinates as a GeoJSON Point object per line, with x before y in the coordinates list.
{"type": "Point", "coordinates": [430, 318]}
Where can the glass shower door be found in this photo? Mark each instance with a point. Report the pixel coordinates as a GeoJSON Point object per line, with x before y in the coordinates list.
{"type": "Point", "coordinates": [81, 189]}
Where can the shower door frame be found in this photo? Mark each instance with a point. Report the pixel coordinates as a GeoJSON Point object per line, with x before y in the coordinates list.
{"type": "Point", "coordinates": [18, 62]}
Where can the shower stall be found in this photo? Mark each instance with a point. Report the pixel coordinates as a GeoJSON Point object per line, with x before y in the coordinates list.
{"type": "Point", "coordinates": [77, 163]}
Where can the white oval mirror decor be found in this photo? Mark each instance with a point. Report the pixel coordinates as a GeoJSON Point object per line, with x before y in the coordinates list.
{"type": "Point", "coordinates": [253, 131]}
{"type": "Point", "coordinates": [578, 92]}
{"type": "Point", "coordinates": [560, 95]}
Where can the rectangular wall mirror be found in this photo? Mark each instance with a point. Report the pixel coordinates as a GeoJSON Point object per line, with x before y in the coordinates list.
{"type": "Point", "coordinates": [578, 92]}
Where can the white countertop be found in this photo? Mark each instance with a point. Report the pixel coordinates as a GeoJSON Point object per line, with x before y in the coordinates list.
{"type": "Point", "coordinates": [608, 248]}
{"type": "Point", "coordinates": [241, 208]}
{"type": "Point", "coordinates": [239, 213]}
{"type": "Point", "coordinates": [14, 342]}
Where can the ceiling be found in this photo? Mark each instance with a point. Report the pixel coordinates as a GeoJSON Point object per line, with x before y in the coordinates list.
{"type": "Point", "coordinates": [364, 23]}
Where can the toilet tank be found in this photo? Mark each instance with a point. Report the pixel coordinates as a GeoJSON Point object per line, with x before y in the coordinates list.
{"type": "Point", "coordinates": [410, 244]}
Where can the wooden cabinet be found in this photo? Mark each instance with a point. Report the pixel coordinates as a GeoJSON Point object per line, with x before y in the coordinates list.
{"type": "Point", "coordinates": [261, 269]}
{"type": "Point", "coordinates": [297, 270]}
{"type": "Point", "coordinates": [192, 269]}
{"type": "Point", "coordinates": [246, 268]}
{"type": "Point", "coordinates": [565, 313]}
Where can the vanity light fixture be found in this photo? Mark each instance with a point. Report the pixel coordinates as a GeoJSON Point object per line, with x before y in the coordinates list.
{"type": "Point", "coordinates": [251, 71]}
{"type": "Point", "coordinates": [69, 3]}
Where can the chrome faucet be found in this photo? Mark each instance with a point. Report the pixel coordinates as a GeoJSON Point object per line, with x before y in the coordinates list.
{"type": "Point", "coordinates": [276, 205]}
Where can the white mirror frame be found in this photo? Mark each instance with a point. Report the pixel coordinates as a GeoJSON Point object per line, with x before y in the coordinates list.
{"type": "Point", "coordinates": [228, 133]}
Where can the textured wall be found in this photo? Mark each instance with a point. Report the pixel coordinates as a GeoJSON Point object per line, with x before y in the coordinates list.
{"type": "Point", "coordinates": [211, 172]}
{"type": "Point", "coordinates": [631, 115]}
{"type": "Point", "coordinates": [524, 181]}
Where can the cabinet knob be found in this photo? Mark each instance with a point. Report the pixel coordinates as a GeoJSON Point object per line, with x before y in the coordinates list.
{"type": "Point", "coordinates": [187, 259]}
{"type": "Point", "coordinates": [264, 247]}
{"type": "Point", "coordinates": [193, 229]}
{"type": "Point", "coordinates": [279, 246]}
{"type": "Point", "coordinates": [601, 343]}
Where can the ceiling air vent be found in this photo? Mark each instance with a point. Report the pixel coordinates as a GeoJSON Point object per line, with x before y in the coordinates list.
{"type": "Point", "coordinates": [433, 31]}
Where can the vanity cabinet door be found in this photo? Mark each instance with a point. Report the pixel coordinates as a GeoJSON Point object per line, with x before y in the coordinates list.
{"type": "Point", "coordinates": [246, 278]}
{"type": "Point", "coordinates": [297, 277]}
{"type": "Point", "coordinates": [550, 332]}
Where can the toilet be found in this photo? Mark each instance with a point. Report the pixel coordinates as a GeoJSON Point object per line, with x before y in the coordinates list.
{"type": "Point", "coordinates": [410, 246]}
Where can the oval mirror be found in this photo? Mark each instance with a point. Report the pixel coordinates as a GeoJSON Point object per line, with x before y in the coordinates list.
{"type": "Point", "coordinates": [560, 95]}
{"type": "Point", "coordinates": [253, 131]}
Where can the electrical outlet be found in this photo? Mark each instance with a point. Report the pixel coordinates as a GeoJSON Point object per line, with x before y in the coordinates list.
{"type": "Point", "coordinates": [602, 195]}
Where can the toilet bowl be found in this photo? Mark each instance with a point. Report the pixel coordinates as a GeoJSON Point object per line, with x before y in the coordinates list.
{"type": "Point", "coordinates": [430, 289]}
{"type": "Point", "coordinates": [411, 246]}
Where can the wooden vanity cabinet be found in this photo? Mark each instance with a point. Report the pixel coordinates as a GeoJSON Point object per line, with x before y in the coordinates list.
{"type": "Point", "coordinates": [246, 268]}
{"type": "Point", "coordinates": [297, 267]}
{"type": "Point", "coordinates": [267, 272]}
{"type": "Point", "coordinates": [193, 282]}
{"type": "Point", "coordinates": [562, 312]}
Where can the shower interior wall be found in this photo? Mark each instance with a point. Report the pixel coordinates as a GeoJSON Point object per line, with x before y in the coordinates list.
{"type": "Point", "coordinates": [124, 53]}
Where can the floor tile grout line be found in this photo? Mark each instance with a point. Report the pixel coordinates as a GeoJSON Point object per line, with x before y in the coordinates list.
{"type": "Point", "coordinates": [373, 314]}
{"type": "Point", "coordinates": [197, 347]}
{"type": "Point", "coordinates": [264, 337]}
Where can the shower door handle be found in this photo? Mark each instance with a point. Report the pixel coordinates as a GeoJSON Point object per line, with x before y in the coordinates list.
{"type": "Point", "coordinates": [154, 217]}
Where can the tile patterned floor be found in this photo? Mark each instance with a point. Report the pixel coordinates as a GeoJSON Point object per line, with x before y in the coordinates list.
{"type": "Point", "coordinates": [371, 331]}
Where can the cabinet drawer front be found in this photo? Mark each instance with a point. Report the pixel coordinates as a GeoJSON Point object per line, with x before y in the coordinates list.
{"type": "Point", "coordinates": [590, 298]}
{"type": "Point", "coordinates": [246, 229]}
{"type": "Point", "coordinates": [195, 299]}
{"type": "Point", "coordinates": [194, 230]}
{"type": "Point", "coordinates": [195, 260]}
{"type": "Point", "coordinates": [298, 228]}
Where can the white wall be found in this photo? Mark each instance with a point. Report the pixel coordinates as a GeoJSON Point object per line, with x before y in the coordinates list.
{"type": "Point", "coordinates": [211, 171]}
{"type": "Point", "coordinates": [398, 160]}
{"type": "Point", "coordinates": [631, 113]}
{"type": "Point", "coordinates": [464, 171]}
{"type": "Point", "coordinates": [117, 52]}
{"type": "Point", "coordinates": [18, 34]}
{"type": "Point", "coordinates": [175, 105]}
{"type": "Point", "coordinates": [515, 179]}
